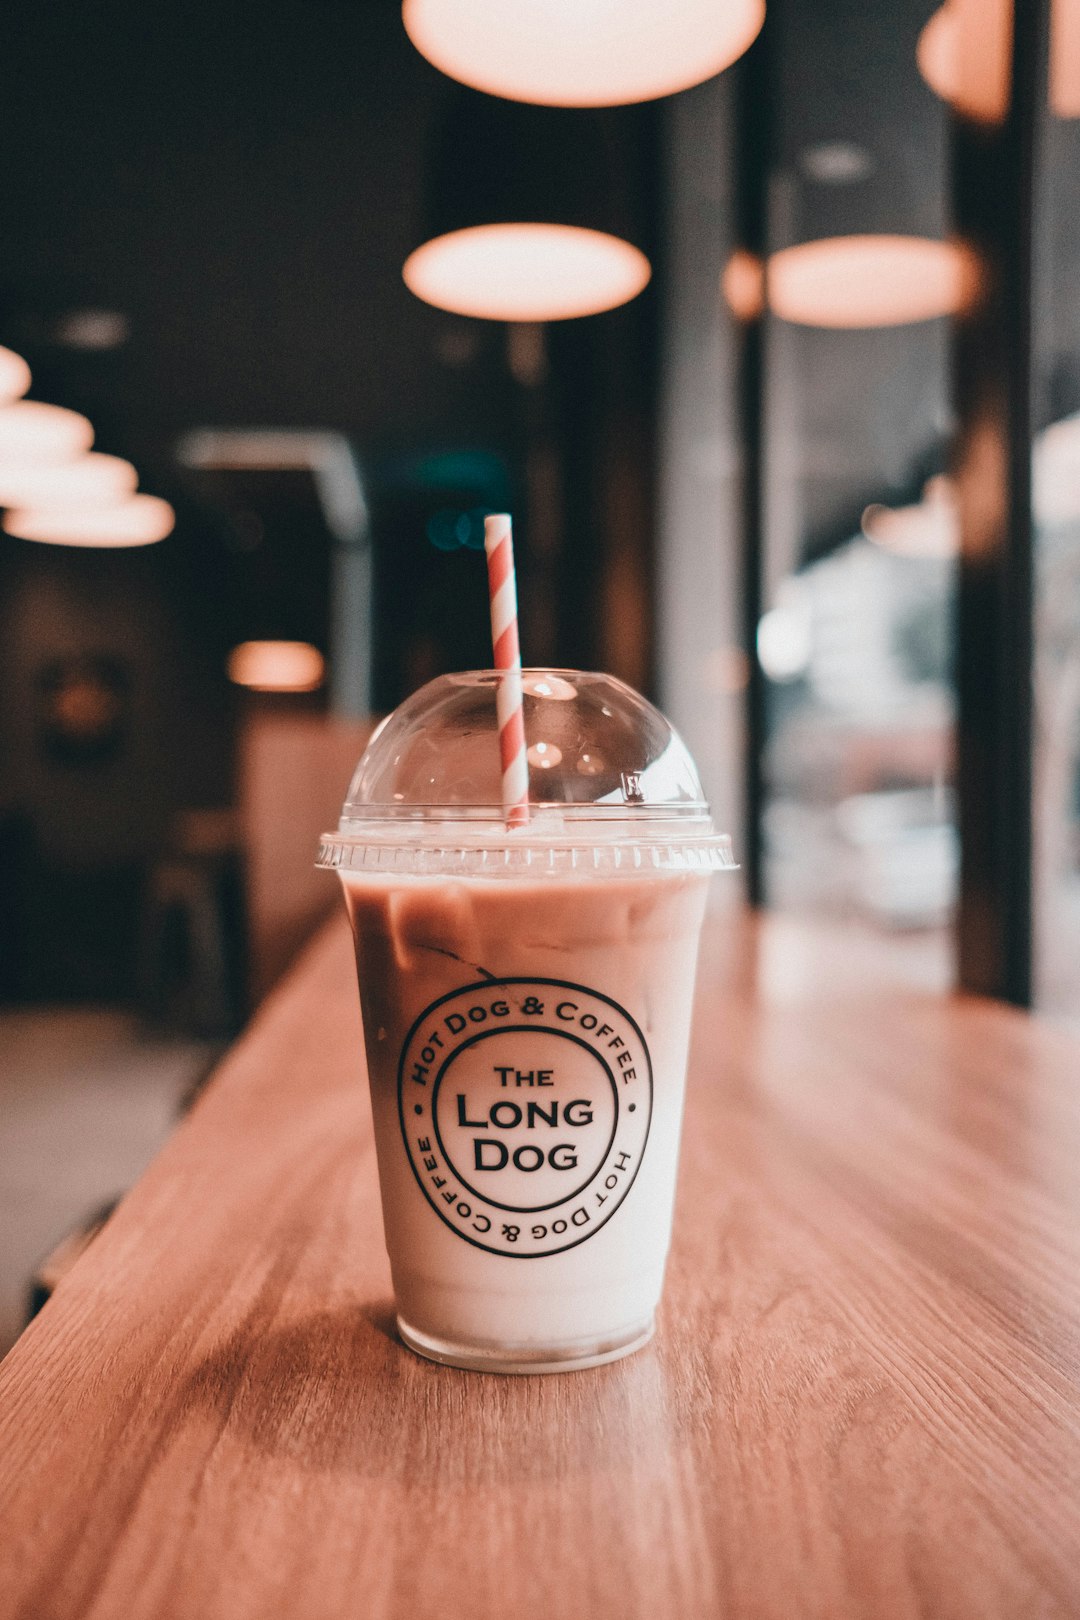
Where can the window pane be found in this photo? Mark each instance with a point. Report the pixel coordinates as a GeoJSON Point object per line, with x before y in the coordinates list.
{"type": "Point", "coordinates": [856, 639]}
{"type": "Point", "coordinates": [1056, 495]}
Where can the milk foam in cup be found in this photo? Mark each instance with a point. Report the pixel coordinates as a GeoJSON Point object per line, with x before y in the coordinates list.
{"type": "Point", "coordinates": [526, 998]}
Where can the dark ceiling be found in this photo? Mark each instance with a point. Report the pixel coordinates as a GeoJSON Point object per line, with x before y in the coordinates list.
{"type": "Point", "coordinates": [239, 180]}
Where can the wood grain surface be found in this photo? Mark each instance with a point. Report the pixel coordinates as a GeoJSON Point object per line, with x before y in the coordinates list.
{"type": "Point", "coordinates": [862, 1400]}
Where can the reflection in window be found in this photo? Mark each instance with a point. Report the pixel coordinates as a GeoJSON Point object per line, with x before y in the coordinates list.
{"type": "Point", "coordinates": [1056, 501]}
{"type": "Point", "coordinates": [1056, 488]}
{"type": "Point", "coordinates": [857, 649]}
{"type": "Point", "coordinates": [856, 637]}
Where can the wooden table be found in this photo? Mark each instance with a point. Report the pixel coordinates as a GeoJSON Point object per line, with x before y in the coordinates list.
{"type": "Point", "coordinates": [862, 1400]}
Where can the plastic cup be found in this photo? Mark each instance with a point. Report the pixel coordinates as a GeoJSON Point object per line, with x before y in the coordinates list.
{"type": "Point", "coordinates": [526, 999]}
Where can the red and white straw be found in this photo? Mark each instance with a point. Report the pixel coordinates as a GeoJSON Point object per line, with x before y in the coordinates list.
{"type": "Point", "coordinates": [502, 590]}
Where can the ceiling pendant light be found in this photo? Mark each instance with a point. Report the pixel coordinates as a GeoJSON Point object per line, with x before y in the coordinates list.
{"type": "Point", "coordinates": [14, 376]}
{"type": "Point", "coordinates": [851, 255]}
{"type": "Point", "coordinates": [528, 217]}
{"type": "Point", "coordinates": [276, 666]}
{"type": "Point", "coordinates": [140, 520]}
{"type": "Point", "coordinates": [743, 285]}
{"type": "Point", "coordinates": [55, 489]}
{"type": "Point", "coordinates": [526, 272]}
{"type": "Point", "coordinates": [851, 282]}
{"type": "Point", "coordinates": [1065, 58]}
{"type": "Point", "coordinates": [582, 53]}
{"type": "Point", "coordinates": [965, 55]}
{"type": "Point", "coordinates": [31, 431]}
{"type": "Point", "coordinates": [92, 480]}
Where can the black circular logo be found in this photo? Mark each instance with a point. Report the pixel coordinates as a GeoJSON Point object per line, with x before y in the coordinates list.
{"type": "Point", "coordinates": [525, 1107]}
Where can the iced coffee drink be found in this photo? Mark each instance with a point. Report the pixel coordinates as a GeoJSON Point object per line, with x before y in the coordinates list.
{"type": "Point", "coordinates": [526, 1002]}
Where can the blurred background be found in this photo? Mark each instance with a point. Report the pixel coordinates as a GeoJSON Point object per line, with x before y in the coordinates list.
{"type": "Point", "coordinates": [815, 489]}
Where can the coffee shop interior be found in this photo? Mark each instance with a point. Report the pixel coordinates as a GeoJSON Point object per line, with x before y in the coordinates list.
{"type": "Point", "coordinates": [294, 293]}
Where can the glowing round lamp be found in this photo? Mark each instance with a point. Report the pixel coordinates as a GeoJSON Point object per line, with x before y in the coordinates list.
{"type": "Point", "coordinates": [868, 281]}
{"type": "Point", "coordinates": [276, 666]}
{"type": "Point", "coordinates": [92, 480]}
{"type": "Point", "coordinates": [1065, 58]}
{"type": "Point", "coordinates": [526, 272]}
{"type": "Point", "coordinates": [34, 432]}
{"type": "Point", "coordinates": [582, 53]}
{"type": "Point", "coordinates": [14, 376]}
{"type": "Point", "coordinates": [138, 521]}
{"type": "Point", "coordinates": [743, 285]}
{"type": "Point", "coordinates": [965, 55]}
{"type": "Point", "coordinates": [527, 214]}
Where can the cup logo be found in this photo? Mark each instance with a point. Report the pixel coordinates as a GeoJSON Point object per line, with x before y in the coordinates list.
{"type": "Point", "coordinates": [525, 1107]}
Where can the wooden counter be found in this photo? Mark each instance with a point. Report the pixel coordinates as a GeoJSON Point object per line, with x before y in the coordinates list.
{"type": "Point", "coordinates": [862, 1400]}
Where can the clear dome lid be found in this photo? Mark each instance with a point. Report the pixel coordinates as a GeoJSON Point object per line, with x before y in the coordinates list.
{"type": "Point", "coordinates": [611, 783]}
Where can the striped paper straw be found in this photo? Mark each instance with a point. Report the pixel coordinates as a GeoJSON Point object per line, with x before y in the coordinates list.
{"type": "Point", "coordinates": [502, 590]}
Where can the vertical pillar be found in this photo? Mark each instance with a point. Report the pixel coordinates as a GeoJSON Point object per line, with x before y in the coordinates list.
{"type": "Point", "coordinates": [993, 210]}
{"type": "Point", "coordinates": [754, 149]}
